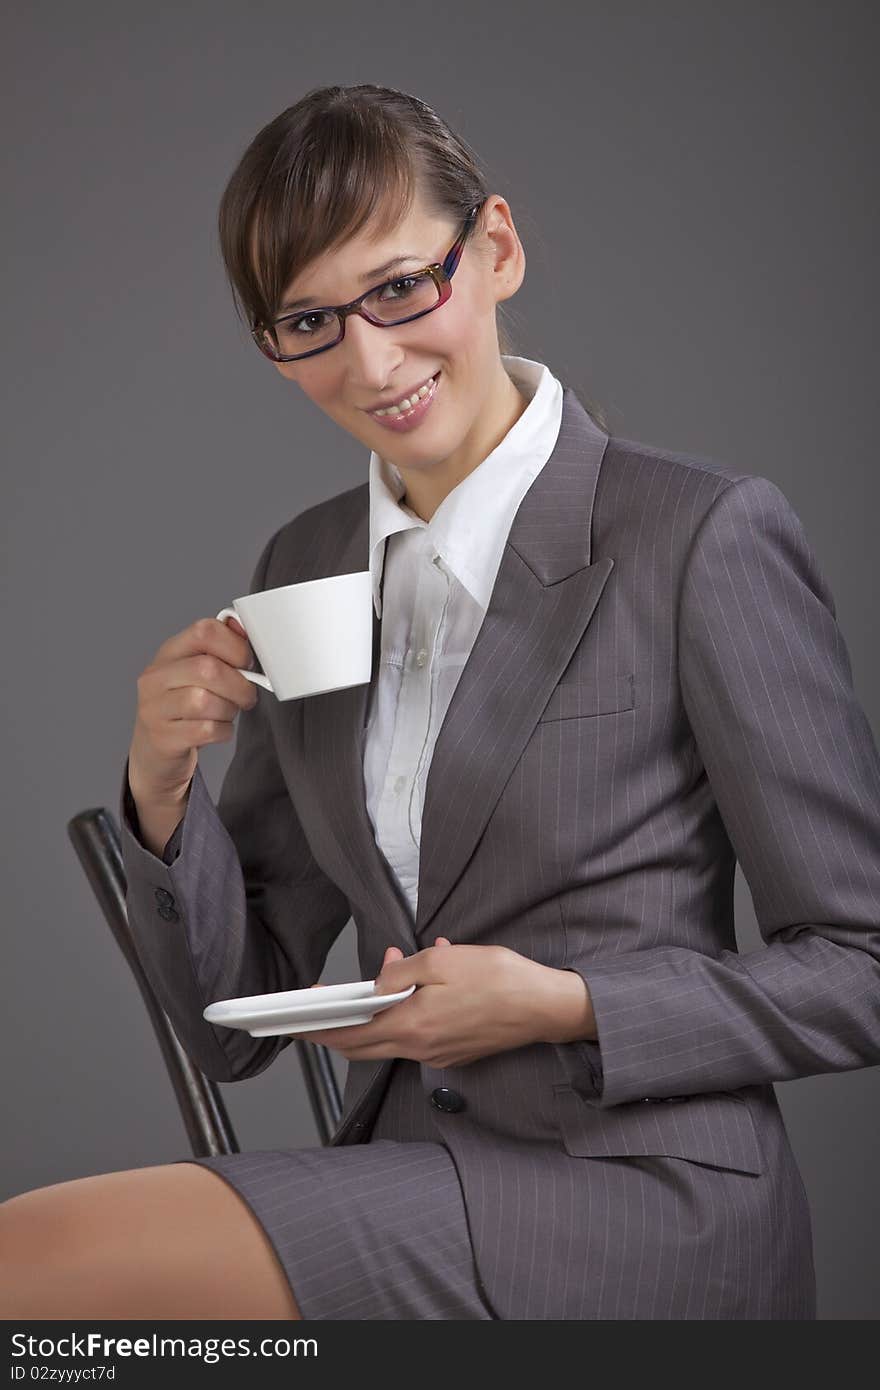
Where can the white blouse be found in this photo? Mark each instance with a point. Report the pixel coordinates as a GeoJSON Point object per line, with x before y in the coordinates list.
{"type": "Point", "coordinates": [438, 580]}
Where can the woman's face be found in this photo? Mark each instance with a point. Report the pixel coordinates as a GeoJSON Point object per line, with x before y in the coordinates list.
{"type": "Point", "coordinates": [372, 364]}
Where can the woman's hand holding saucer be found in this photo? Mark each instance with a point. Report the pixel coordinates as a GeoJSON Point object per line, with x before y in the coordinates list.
{"type": "Point", "coordinates": [470, 1001]}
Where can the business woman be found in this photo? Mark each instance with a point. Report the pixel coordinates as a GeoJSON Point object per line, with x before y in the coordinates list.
{"type": "Point", "coordinates": [603, 673]}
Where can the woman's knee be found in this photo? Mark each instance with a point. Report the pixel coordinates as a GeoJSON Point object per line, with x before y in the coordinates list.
{"type": "Point", "coordinates": [169, 1241]}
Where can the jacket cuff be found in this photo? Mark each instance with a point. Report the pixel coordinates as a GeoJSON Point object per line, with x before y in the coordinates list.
{"type": "Point", "coordinates": [582, 1059]}
{"type": "Point", "coordinates": [658, 1019]}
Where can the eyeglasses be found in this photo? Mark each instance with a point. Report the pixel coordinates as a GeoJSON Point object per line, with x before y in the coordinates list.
{"type": "Point", "coordinates": [418, 293]}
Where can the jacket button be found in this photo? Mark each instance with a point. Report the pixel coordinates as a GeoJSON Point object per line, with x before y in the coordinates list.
{"type": "Point", "coordinates": [444, 1098]}
{"type": "Point", "coordinates": [168, 914]}
{"type": "Point", "coordinates": [164, 898]}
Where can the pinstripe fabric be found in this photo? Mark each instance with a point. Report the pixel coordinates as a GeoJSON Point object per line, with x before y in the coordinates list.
{"type": "Point", "coordinates": [659, 687]}
{"type": "Point", "coordinates": [375, 1231]}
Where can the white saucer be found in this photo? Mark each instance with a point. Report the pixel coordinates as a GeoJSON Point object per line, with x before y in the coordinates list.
{"type": "Point", "coordinates": [303, 1010]}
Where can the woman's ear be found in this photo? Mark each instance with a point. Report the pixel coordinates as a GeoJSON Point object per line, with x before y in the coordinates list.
{"type": "Point", "coordinates": [507, 257]}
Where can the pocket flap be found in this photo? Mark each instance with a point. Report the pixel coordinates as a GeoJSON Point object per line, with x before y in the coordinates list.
{"type": "Point", "coordinates": [576, 699]}
{"type": "Point", "coordinates": [713, 1127]}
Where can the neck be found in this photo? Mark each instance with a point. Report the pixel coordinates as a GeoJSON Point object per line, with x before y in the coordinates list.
{"type": "Point", "coordinates": [425, 490]}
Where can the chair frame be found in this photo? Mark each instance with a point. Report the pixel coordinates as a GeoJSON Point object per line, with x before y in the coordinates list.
{"type": "Point", "coordinates": [95, 837]}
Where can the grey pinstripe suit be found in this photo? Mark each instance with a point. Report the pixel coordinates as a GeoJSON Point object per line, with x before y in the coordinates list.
{"type": "Point", "coordinates": [659, 688]}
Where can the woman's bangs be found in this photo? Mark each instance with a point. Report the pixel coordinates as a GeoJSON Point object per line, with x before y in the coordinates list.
{"type": "Point", "coordinates": [294, 224]}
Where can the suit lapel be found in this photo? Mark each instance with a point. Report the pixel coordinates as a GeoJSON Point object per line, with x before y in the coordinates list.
{"type": "Point", "coordinates": [545, 594]}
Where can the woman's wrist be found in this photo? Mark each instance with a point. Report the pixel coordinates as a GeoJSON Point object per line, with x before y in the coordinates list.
{"type": "Point", "coordinates": [568, 1012]}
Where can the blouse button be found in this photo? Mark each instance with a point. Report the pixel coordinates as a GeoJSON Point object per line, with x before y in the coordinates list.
{"type": "Point", "coordinates": [399, 784]}
{"type": "Point", "coordinates": [421, 657]}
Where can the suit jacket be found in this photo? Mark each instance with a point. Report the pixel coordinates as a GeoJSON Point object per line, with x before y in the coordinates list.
{"type": "Point", "coordinates": [659, 688]}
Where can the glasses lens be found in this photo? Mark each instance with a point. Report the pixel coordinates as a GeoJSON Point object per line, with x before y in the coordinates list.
{"type": "Point", "coordinates": [304, 333]}
{"type": "Point", "coordinates": [400, 299]}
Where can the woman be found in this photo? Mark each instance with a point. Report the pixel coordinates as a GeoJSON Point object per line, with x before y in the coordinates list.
{"type": "Point", "coordinates": [602, 674]}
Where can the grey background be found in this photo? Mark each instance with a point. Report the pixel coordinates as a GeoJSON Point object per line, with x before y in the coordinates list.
{"type": "Point", "coordinates": [694, 186]}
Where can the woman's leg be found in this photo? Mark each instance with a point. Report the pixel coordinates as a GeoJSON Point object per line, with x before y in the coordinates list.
{"type": "Point", "coordinates": [170, 1241]}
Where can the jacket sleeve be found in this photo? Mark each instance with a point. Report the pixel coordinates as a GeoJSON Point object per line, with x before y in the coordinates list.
{"type": "Point", "coordinates": [789, 754]}
{"type": "Point", "coordinates": [236, 905]}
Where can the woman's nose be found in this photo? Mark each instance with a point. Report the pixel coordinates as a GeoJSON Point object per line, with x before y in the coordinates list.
{"type": "Point", "coordinates": [373, 355]}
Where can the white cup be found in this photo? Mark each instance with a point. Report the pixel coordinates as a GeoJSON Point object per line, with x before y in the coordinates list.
{"type": "Point", "coordinates": [310, 638]}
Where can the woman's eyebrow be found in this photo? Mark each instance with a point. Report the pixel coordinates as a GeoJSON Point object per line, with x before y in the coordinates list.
{"type": "Point", "coordinates": [370, 277]}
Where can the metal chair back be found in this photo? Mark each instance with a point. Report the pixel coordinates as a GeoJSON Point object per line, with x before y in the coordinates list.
{"type": "Point", "coordinates": [96, 840]}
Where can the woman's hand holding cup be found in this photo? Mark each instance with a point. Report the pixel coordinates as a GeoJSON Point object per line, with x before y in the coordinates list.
{"type": "Point", "coordinates": [188, 696]}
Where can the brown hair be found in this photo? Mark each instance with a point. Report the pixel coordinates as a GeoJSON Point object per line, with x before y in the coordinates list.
{"type": "Point", "coordinates": [322, 170]}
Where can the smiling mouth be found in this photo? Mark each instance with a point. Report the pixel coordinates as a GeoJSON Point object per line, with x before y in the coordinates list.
{"type": "Point", "coordinates": [409, 402]}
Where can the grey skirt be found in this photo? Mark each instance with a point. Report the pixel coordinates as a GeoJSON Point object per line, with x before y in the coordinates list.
{"type": "Point", "coordinates": [374, 1230]}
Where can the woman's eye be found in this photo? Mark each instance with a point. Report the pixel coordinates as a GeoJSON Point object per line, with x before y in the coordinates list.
{"type": "Point", "coordinates": [297, 324]}
{"type": "Point", "coordinates": [407, 281]}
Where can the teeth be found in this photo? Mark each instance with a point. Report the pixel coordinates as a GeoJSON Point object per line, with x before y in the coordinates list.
{"type": "Point", "coordinates": [408, 402]}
